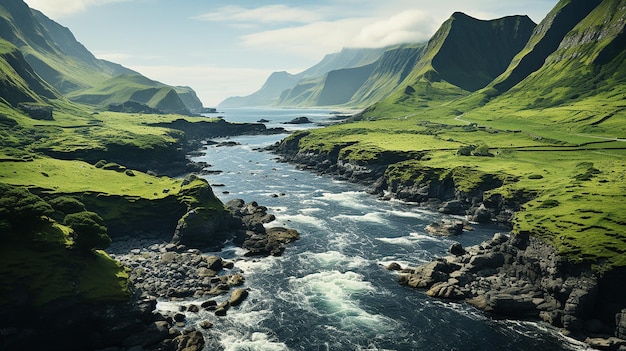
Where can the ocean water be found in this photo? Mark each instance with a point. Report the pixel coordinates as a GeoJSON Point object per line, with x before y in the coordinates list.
{"type": "Point", "coordinates": [330, 290]}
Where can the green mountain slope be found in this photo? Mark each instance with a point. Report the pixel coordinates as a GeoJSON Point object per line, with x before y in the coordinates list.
{"type": "Point", "coordinates": [581, 84]}
{"type": "Point", "coordinates": [273, 90]}
{"type": "Point", "coordinates": [545, 40]}
{"type": "Point", "coordinates": [487, 48]}
{"type": "Point", "coordinates": [465, 54]}
{"type": "Point", "coordinates": [392, 68]}
{"type": "Point", "coordinates": [18, 82]}
{"type": "Point", "coordinates": [54, 53]}
{"type": "Point", "coordinates": [134, 88]}
{"type": "Point", "coordinates": [551, 127]}
{"type": "Point", "coordinates": [356, 86]}
{"type": "Point", "coordinates": [423, 74]}
{"type": "Point", "coordinates": [334, 88]}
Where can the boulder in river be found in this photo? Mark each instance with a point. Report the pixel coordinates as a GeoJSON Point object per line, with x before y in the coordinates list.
{"type": "Point", "coordinates": [299, 120]}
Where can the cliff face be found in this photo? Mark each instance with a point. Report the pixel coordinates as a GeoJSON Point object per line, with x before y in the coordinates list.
{"type": "Point", "coordinates": [487, 48]}
{"type": "Point", "coordinates": [546, 38]}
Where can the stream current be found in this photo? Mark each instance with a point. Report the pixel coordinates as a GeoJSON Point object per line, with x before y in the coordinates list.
{"type": "Point", "coordinates": [330, 289]}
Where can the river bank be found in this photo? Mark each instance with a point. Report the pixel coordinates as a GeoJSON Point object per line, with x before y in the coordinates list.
{"type": "Point", "coordinates": [511, 276]}
{"type": "Point", "coordinates": [158, 237]}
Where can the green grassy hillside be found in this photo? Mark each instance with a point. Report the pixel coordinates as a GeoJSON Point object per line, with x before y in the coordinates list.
{"type": "Point", "coordinates": [40, 260]}
{"type": "Point", "coordinates": [60, 60]}
{"type": "Point", "coordinates": [392, 68]}
{"type": "Point", "coordinates": [131, 87]}
{"type": "Point", "coordinates": [18, 82]}
{"type": "Point", "coordinates": [556, 137]}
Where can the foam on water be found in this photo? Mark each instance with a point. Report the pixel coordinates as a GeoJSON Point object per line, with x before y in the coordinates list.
{"type": "Point", "coordinates": [308, 211]}
{"type": "Point", "coordinates": [313, 202]}
{"type": "Point", "coordinates": [335, 295]}
{"type": "Point", "coordinates": [330, 260]}
{"type": "Point", "coordinates": [234, 341]}
{"type": "Point", "coordinates": [251, 266]}
{"type": "Point", "coordinates": [410, 214]}
{"type": "Point", "coordinates": [350, 199]}
{"type": "Point", "coordinates": [284, 220]}
{"type": "Point", "coordinates": [414, 239]}
{"type": "Point", "coordinates": [373, 217]}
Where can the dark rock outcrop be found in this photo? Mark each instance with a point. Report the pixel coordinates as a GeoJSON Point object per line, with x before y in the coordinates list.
{"type": "Point", "coordinates": [258, 240]}
{"type": "Point", "coordinates": [271, 243]}
{"type": "Point", "coordinates": [521, 277]}
{"type": "Point", "coordinates": [205, 228]}
{"type": "Point", "coordinates": [74, 325]}
{"type": "Point", "coordinates": [299, 120]}
{"type": "Point", "coordinates": [37, 111]}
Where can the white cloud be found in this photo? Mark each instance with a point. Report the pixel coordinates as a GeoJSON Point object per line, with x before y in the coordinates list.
{"type": "Point", "coordinates": [62, 8]}
{"type": "Point", "coordinates": [329, 36]}
{"type": "Point", "coordinates": [212, 84]}
{"type": "Point", "coordinates": [406, 27]}
{"type": "Point", "coordinates": [314, 39]}
{"type": "Point", "coordinates": [264, 15]}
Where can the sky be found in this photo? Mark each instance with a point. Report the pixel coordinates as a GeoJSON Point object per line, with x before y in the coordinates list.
{"type": "Point", "coordinates": [228, 48]}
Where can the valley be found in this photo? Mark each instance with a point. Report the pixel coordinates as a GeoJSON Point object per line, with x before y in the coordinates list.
{"type": "Point", "coordinates": [503, 124]}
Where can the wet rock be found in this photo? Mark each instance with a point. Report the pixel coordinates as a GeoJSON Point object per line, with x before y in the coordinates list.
{"type": "Point", "coordinates": [191, 341]}
{"type": "Point", "coordinates": [447, 290]}
{"type": "Point", "coordinates": [238, 296]}
{"type": "Point", "coordinates": [179, 317]}
{"type": "Point", "coordinates": [620, 322]}
{"type": "Point", "coordinates": [222, 309]}
{"type": "Point", "coordinates": [606, 344]}
{"type": "Point", "coordinates": [488, 260]}
{"type": "Point", "coordinates": [513, 306]}
{"type": "Point", "coordinates": [393, 266]}
{"type": "Point", "coordinates": [426, 275]}
{"type": "Point", "coordinates": [445, 228]}
{"type": "Point", "coordinates": [454, 207]}
{"type": "Point", "coordinates": [482, 215]}
{"type": "Point", "coordinates": [457, 249]}
{"type": "Point", "coordinates": [208, 305]}
{"type": "Point", "coordinates": [206, 325]}
{"type": "Point", "coordinates": [214, 263]}
{"type": "Point", "coordinates": [499, 277]}
{"type": "Point", "coordinates": [270, 243]}
{"type": "Point", "coordinates": [299, 120]}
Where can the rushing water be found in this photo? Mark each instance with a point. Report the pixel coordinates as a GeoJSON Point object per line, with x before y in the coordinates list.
{"type": "Point", "coordinates": [330, 290]}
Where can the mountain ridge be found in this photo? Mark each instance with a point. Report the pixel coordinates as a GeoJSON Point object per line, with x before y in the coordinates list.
{"type": "Point", "coordinates": [488, 46]}
{"type": "Point", "coordinates": [279, 82]}
{"type": "Point", "coordinates": [55, 55]}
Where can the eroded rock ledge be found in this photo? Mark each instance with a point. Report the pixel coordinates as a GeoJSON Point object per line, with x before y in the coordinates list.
{"type": "Point", "coordinates": [433, 188]}
{"type": "Point", "coordinates": [520, 277]}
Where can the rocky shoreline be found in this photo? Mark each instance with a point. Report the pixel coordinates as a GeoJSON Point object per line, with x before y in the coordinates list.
{"type": "Point", "coordinates": [519, 277]}
{"type": "Point", "coordinates": [509, 276]}
{"type": "Point", "coordinates": [160, 269]}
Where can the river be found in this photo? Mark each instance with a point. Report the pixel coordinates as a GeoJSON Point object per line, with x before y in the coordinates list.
{"type": "Point", "coordinates": [330, 290]}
